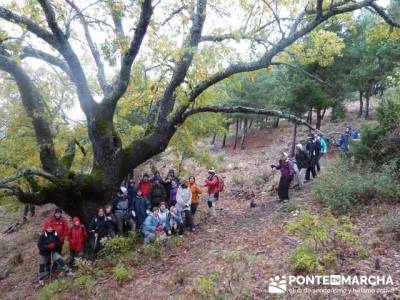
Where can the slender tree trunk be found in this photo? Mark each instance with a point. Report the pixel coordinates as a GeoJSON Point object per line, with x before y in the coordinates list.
{"type": "Point", "coordinates": [294, 139]}
{"type": "Point", "coordinates": [236, 134]}
{"type": "Point", "coordinates": [244, 134]}
{"type": "Point", "coordinates": [250, 124]}
{"type": "Point", "coordinates": [360, 112]}
{"type": "Point", "coordinates": [276, 122]}
{"type": "Point", "coordinates": [309, 116]}
{"type": "Point", "coordinates": [225, 134]}
{"type": "Point", "coordinates": [323, 113]}
{"type": "Point", "coordinates": [319, 118]}
{"type": "Point", "coordinates": [367, 97]}
{"type": "Point", "coordinates": [213, 139]}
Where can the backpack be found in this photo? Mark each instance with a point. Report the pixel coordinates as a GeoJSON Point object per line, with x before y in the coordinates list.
{"type": "Point", "coordinates": [221, 184]}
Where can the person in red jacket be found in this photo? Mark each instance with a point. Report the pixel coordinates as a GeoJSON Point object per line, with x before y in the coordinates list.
{"type": "Point", "coordinates": [145, 185]}
{"type": "Point", "coordinates": [212, 184]}
{"type": "Point", "coordinates": [60, 225]}
{"type": "Point", "coordinates": [76, 238]}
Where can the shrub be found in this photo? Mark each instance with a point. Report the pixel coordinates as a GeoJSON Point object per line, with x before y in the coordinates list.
{"type": "Point", "coordinates": [50, 291]}
{"type": "Point", "coordinates": [83, 284]}
{"type": "Point", "coordinates": [322, 238]}
{"type": "Point", "coordinates": [257, 180]}
{"type": "Point", "coordinates": [204, 286]}
{"type": "Point", "coordinates": [346, 186]}
{"type": "Point", "coordinates": [238, 180]}
{"type": "Point", "coordinates": [392, 225]}
{"type": "Point", "coordinates": [116, 247]}
{"type": "Point", "coordinates": [122, 274]}
{"type": "Point", "coordinates": [83, 266]}
{"type": "Point", "coordinates": [153, 249]}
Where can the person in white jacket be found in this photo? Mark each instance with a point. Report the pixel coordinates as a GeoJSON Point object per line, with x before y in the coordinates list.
{"type": "Point", "coordinates": [183, 202]}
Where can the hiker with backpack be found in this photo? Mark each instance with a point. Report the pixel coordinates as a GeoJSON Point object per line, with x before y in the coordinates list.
{"type": "Point", "coordinates": [49, 244]}
{"type": "Point", "coordinates": [123, 212]}
{"type": "Point", "coordinates": [302, 159]}
{"type": "Point", "coordinates": [99, 228]}
{"type": "Point", "coordinates": [76, 239]}
{"type": "Point", "coordinates": [60, 225]}
{"type": "Point", "coordinates": [183, 202]}
{"type": "Point", "coordinates": [141, 206]}
{"type": "Point", "coordinates": [287, 171]}
{"type": "Point", "coordinates": [344, 142]}
{"type": "Point", "coordinates": [313, 150]}
{"type": "Point", "coordinates": [196, 191]}
{"type": "Point", "coordinates": [214, 186]}
{"type": "Point", "coordinates": [323, 148]}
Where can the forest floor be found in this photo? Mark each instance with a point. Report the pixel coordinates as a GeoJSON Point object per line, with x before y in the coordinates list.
{"type": "Point", "coordinates": [239, 252]}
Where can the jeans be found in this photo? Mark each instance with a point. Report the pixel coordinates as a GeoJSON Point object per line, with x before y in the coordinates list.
{"type": "Point", "coordinates": [46, 262]}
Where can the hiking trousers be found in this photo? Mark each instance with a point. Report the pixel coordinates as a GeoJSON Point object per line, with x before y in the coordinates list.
{"type": "Point", "coordinates": [283, 188]}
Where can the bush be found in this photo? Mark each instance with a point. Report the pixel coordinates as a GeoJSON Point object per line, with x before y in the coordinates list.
{"type": "Point", "coordinates": [346, 186]}
{"type": "Point", "coordinates": [153, 249]}
{"type": "Point", "coordinates": [204, 286]}
{"type": "Point", "coordinates": [322, 238]}
{"type": "Point", "coordinates": [257, 180]}
{"type": "Point", "coordinates": [122, 274]}
{"type": "Point", "coordinates": [238, 180]}
{"type": "Point", "coordinates": [83, 284]}
{"type": "Point", "coordinates": [50, 291]}
{"type": "Point", "coordinates": [116, 247]}
{"type": "Point", "coordinates": [83, 266]}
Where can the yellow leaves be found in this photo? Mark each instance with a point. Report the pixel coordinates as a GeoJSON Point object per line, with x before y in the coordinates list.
{"type": "Point", "coordinates": [321, 47]}
{"type": "Point", "coordinates": [383, 32]}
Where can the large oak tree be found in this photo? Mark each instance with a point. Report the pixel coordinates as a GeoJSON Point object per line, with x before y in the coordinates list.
{"type": "Point", "coordinates": [63, 33]}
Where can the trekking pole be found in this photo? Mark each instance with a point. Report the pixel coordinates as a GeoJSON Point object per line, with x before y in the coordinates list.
{"type": "Point", "coordinates": [96, 236]}
{"type": "Point", "coordinates": [51, 264]}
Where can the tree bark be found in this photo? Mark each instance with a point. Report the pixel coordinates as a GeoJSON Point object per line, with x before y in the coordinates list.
{"type": "Point", "coordinates": [244, 134]}
{"type": "Point", "coordinates": [236, 134]}
{"type": "Point", "coordinates": [368, 94]}
{"type": "Point", "coordinates": [309, 116]}
{"type": "Point", "coordinates": [213, 139]}
{"type": "Point", "coordinates": [276, 124]}
{"type": "Point", "coordinates": [294, 139]}
{"type": "Point", "coordinates": [319, 118]}
{"type": "Point", "coordinates": [225, 134]}
{"type": "Point", "coordinates": [360, 98]}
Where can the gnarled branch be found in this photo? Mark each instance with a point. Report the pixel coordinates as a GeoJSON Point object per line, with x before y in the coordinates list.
{"type": "Point", "coordinates": [385, 16]}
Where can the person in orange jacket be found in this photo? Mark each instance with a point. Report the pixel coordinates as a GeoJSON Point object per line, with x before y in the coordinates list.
{"type": "Point", "coordinates": [76, 238]}
{"type": "Point", "coordinates": [60, 225]}
{"type": "Point", "coordinates": [196, 191]}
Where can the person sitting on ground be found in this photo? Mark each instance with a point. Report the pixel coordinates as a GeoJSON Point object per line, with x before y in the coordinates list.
{"type": "Point", "coordinates": [303, 161]}
{"type": "Point", "coordinates": [287, 172]}
{"type": "Point", "coordinates": [152, 226]}
{"type": "Point", "coordinates": [174, 223]}
{"type": "Point", "coordinates": [99, 229]}
{"type": "Point", "coordinates": [172, 193]}
{"type": "Point", "coordinates": [76, 239]}
{"type": "Point", "coordinates": [141, 206]}
{"type": "Point", "coordinates": [163, 213]}
{"type": "Point", "coordinates": [196, 191]}
{"type": "Point", "coordinates": [183, 202]}
{"type": "Point", "coordinates": [111, 219]}
{"type": "Point", "coordinates": [60, 225]}
{"type": "Point", "coordinates": [123, 212]}
{"type": "Point", "coordinates": [212, 184]}
{"type": "Point", "coordinates": [145, 185]}
{"type": "Point", "coordinates": [157, 193]}
{"type": "Point", "coordinates": [132, 190]}
{"type": "Point", "coordinates": [49, 245]}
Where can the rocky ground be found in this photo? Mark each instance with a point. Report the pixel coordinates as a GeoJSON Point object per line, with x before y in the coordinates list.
{"type": "Point", "coordinates": [240, 251]}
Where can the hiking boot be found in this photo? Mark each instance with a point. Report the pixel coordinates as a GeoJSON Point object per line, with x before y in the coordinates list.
{"type": "Point", "coordinates": [69, 273]}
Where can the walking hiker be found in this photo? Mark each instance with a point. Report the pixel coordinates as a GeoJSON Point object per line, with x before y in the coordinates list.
{"type": "Point", "coordinates": [99, 229]}
{"type": "Point", "coordinates": [312, 151]}
{"type": "Point", "coordinates": [60, 225]}
{"type": "Point", "coordinates": [287, 172]}
{"type": "Point", "coordinates": [196, 191]}
{"type": "Point", "coordinates": [152, 226]}
{"type": "Point", "coordinates": [212, 184]}
{"type": "Point", "coordinates": [344, 142]}
{"type": "Point", "coordinates": [302, 161]}
{"type": "Point", "coordinates": [174, 223]}
{"type": "Point", "coordinates": [76, 238]}
{"type": "Point", "coordinates": [141, 206]}
{"type": "Point", "coordinates": [49, 245]}
{"type": "Point", "coordinates": [157, 193]}
{"type": "Point", "coordinates": [323, 148]}
{"type": "Point", "coordinates": [145, 185]}
{"type": "Point", "coordinates": [123, 212]}
{"type": "Point", "coordinates": [183, 202]}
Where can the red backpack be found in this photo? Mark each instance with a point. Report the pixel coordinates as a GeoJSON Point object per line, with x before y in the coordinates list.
{"type": "Point", "coordinates": [221, 184]}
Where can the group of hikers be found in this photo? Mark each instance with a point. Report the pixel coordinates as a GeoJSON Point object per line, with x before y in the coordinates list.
{"type": "Point", "coordinates": [155, 208]}
{"type": "Point", "coordinates": [306, 160]}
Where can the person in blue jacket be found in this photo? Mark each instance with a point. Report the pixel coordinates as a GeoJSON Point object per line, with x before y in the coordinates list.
{"type": "Point", "coordinates": [151, 226]}
{"type": "Point", "coordinates": [141, 207]}
{"type": "Point", "coordinates": [344, 142]}
{"type": "Point", "coordinates": [174, 224]}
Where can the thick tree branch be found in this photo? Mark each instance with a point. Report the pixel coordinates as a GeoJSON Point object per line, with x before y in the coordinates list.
{"type": "Point", "coordinates": [179, 74]}
{"type": "Point", "coordinates": [388, 19]}
{"type": "Point", "coordinates": [93, 48]}
{"type": "Point", "coordinates": [121, 84]}
{"type": "Point", "coordinates": [51, 59]}
{"type": "Point", "coordinates": [35, 109]}
{"type": "Point", "coordinates": [28, 172]}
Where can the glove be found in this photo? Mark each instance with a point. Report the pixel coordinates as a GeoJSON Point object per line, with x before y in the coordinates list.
{"type": "Point", "coordinates": [273, 166]}
{"type": "Point", "coordinates": [51, 246]}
